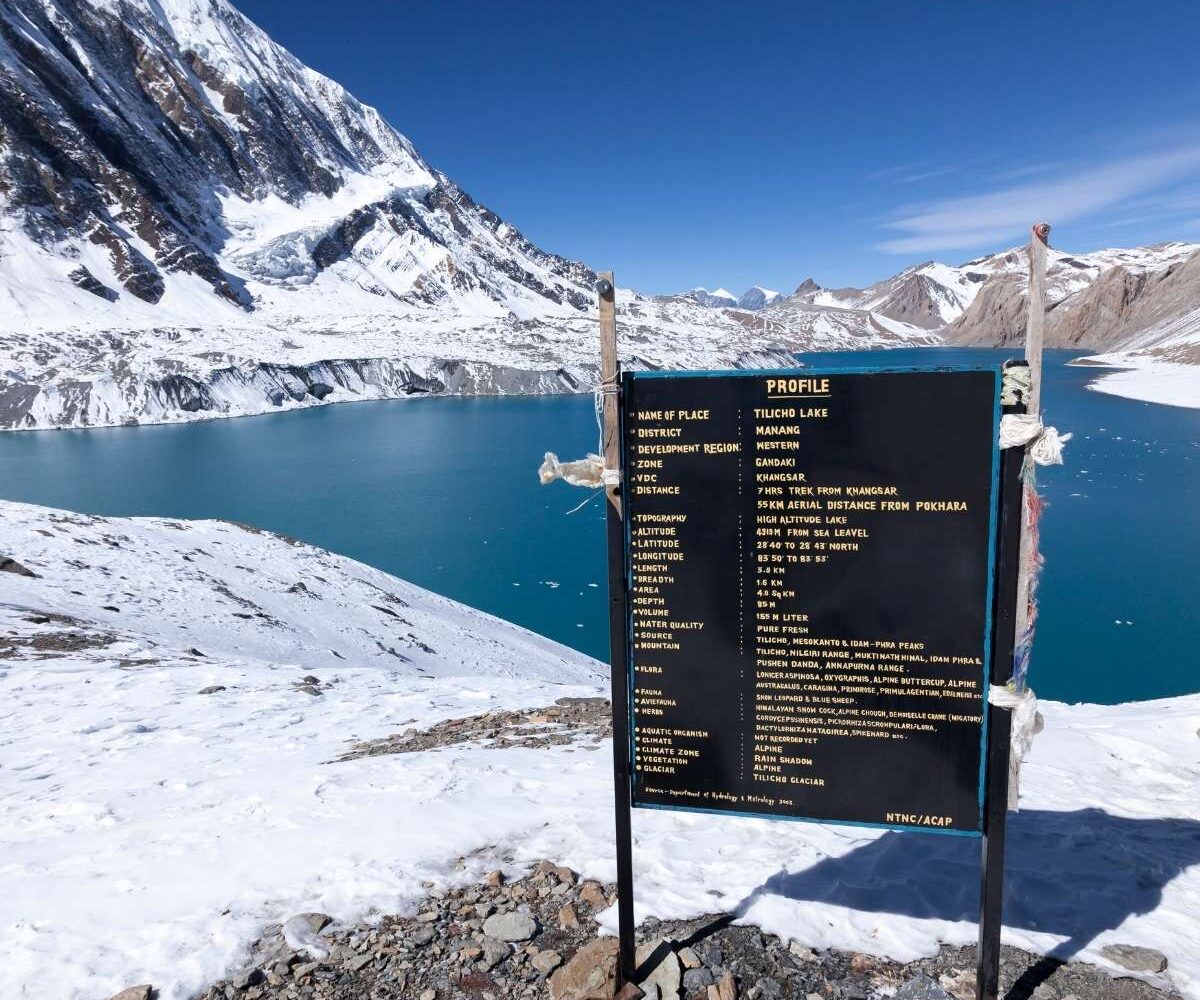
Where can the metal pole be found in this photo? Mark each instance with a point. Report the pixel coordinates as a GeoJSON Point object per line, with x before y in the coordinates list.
{"type": "Point", "coordinates": [617, 630]}
{"type": "Point", "coordinates": [999, 721]}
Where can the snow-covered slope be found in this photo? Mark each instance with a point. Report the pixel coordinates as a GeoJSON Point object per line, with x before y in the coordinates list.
{"type": "Point", "coordinates": [201, 591]}
{"type": "Point", "coordinates": [194, 223]}
{"type": "Point", "coordinates": [174, 697]}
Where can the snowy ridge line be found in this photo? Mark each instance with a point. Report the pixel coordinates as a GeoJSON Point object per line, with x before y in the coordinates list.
{"type": "Point", "coordinates": [150, 831]}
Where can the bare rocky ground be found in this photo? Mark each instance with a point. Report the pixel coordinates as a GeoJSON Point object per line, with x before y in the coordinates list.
{"type": "Point", "coordinates": [537, 937]}
{"type": "Point", "coordinates": [564, 722]}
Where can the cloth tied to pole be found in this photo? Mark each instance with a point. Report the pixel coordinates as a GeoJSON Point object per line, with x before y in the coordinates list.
{"type": "Point", "coordinates": [1027, 722]}
{"type": "Point", "coordinates": [589, 471]}
{"type": "Point", "coordinates": [1045, 443]}
{"type": "Point", "coordinates": [1018, 430]}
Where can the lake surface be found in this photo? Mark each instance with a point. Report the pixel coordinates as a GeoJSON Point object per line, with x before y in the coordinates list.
{"type": "Point", "coordinates": [444, 492]}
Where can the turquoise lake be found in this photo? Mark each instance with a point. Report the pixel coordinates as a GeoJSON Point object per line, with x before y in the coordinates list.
{"type": "Point", "coordinates": [444, 492]}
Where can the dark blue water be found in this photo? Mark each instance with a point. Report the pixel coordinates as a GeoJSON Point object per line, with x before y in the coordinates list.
{"type": "Point", "coordinates": [444, 492]}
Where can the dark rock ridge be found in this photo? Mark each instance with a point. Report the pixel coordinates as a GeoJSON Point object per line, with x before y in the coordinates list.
{"type": "Point", "coordinates": [127, 127]}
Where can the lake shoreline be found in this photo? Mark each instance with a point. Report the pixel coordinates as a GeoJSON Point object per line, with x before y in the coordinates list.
{"type": "Point", "coordinates": [478, 527]}
{"type": "Point", "coordinates": [296, 389]}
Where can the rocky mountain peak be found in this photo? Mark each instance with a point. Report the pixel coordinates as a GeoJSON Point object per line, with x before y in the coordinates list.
{"type": "Point", "coordinates": [171, 154]}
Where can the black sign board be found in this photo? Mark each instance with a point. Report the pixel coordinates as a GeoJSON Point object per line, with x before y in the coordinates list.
{"type": "Point", "coordinates": [810, 558]}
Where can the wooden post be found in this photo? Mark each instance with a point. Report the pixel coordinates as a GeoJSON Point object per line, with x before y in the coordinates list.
{"type": "Point", "coordinates": [1014, 580]}
{"type": "Point", "coordinates": [999, 720]}
{"type": "Point", "coordinates": [1035, 326]}
{"type": "Point", "coordinates": [1035, 323]}
{"type": "Point", "coordinates": [617, 624]}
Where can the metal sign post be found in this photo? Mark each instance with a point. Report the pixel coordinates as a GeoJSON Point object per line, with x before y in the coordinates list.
{"type": "Point", "coordinates": [999, 721]}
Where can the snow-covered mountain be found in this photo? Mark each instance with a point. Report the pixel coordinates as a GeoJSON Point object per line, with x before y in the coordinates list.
{"type": "Point", "coordinates": [1094, 299]}
{"type": "Point", "coordinates": [755, 297]}
{"type": "Point", "coordinates": [983, 301]}
{"type": "Point", "coordinates": [719, 298]}
{"type": "Point", "coordinates": [1138, 305]}
{"type": "Point", "coordinates": [172, 158]}
{"type": "Point", "coordinates": [193, 223]}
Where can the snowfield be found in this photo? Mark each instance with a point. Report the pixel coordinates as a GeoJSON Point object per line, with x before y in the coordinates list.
{"type": "Point", "coordinates": [149, 831]}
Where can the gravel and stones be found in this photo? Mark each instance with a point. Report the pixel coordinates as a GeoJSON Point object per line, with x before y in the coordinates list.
{"type": "Point", "coordinates": [536, 936]}
{"type": "Point", "coordinates": [568, 720]}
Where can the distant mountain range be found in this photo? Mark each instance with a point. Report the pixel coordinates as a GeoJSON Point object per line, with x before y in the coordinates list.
{"type": "Point", "coordinates": [755, 297]}
{"type": "Point", "coordinates": [1144, 300]}
{"type": "Point", "coordinates": [193, 223]}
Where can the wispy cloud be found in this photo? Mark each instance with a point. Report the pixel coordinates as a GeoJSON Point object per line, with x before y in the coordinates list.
{"type": "Point", "coordinates": [911, 173]}
{"type": "Point", "coordinates": [1029, 170]}
{"type": "Point", "coordinates": [976, 220]}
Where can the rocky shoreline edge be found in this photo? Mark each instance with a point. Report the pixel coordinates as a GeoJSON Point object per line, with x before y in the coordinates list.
{"type": "Point", "coordinates": [537, 935]}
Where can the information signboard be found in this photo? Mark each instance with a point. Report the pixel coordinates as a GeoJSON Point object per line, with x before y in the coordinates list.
{"type": "Point", "coordinates": [810, 557]}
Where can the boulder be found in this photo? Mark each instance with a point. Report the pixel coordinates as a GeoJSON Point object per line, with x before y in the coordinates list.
{"type": "Point", "coordinates": [135, 993]}
{"type": "Point", "coordinates": [590, 975]}
{"type": "Point", "coordinates": [664, 973]}
{"type": "Point", "coordinates": [921, 988]}
{"type": "Point", "coordinates": [494, 952]}
{"type": "Point", "coordinates": [724, 988]}
{"type": "Point", "coordinates": [512, 926]}
{"type": "Point", "coordinates": [422, 935]}
{"type": "Point", "coordinates": [546, 961]}
{"type": "Point", "coordinates": [1135, 958]}
{"type": "Point", "coordinates": [8, 565]}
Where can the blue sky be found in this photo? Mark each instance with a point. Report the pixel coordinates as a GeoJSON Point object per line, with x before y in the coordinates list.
{"type": "Point", "coordinates": [731, 144]}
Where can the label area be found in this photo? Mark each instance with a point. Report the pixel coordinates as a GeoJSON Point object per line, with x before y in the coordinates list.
{"type": "Point", "coordinates": [809, 558]}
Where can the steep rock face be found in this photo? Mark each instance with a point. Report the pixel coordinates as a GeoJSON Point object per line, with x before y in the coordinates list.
{"type": "Point", "coordinates": [142, 141]}
{"type": "Point", "coordinates": [1096, 316]}
{"type": "Point", "coordinates": [1092, 299]}
{"type": "Point", "coordinates": [1161, 321]}
{"type": "Point", "coordinates": [996, 317]}
{"type": "Point", "coordinates": [919, 300]}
